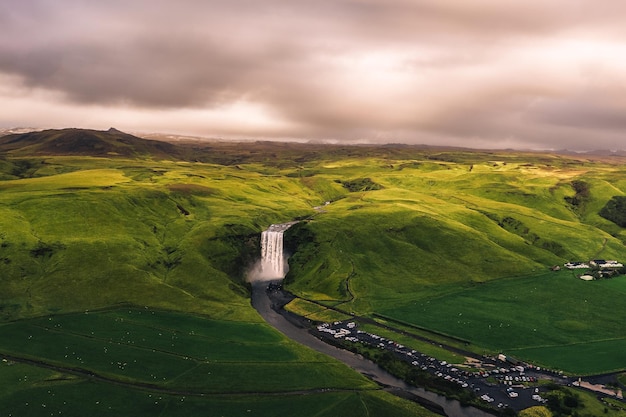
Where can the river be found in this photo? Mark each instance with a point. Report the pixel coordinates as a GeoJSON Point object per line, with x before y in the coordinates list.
{"type": "Point", "coordinates": [262, 303]}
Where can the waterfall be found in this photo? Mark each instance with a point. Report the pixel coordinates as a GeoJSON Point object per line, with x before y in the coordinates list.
{"type": "Point", "coordinates": [273, 261]}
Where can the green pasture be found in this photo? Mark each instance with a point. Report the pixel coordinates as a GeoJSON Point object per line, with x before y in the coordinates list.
{"type": "Point", "coordinates": [29, 391]}
{"type": "Point", "coordinates": [314, 311]}
{"type": "Point", "coordinates": [534, 317]}
{"type": "Point", "coordinates": [168, 363]}
{"type": "Point", "coordinates": [170, 349]}
{"type": "Point", "coordinates": [580, 358]}
{"type": "Point", "coordinates": [427, 348]}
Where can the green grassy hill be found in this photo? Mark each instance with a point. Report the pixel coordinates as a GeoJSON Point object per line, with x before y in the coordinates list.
{"type": "Point", "coordinates": [85, 241]}
{"type": "Point", "coordinates": [446, 225]}
{"type": "Point", "coordinates": [434, 230]}
{"type": "Point", "coordinates": [455, 241]}
{"type": "Point", "coordinates": [127, 233]}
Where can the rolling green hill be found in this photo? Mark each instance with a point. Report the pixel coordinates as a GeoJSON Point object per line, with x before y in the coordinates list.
{"type": "Point", "coordinates": [450, 240]}
{"type": "Point", "coordinates": [437, 231]}
{"type": "Point", "coordinates": [87, 240]}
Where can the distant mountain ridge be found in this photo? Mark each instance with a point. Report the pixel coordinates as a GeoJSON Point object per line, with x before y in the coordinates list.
{"type": "Point", "coordinates": [86, 142]}
{"type": "Point", "coordinates": [24, 142]}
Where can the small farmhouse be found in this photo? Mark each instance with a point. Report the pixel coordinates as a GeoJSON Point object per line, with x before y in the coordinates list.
{"type": "Point", "coordinates": [576, 265]}
{"type": "Point", "coordinates": [601, 263]}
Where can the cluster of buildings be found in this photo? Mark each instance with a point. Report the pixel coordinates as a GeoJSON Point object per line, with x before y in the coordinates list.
{"type": "Point", "coordinates": [597, 268]}
{"type": "Point", "coordinates": [595, 263]}
{"type": "Point", "coordinates": [601, 263]}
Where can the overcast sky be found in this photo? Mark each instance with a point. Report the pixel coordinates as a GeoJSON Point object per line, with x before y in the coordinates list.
{"type": "Point", "coordinates": [543, 74]}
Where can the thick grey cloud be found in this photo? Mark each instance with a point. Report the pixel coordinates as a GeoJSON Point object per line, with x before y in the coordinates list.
{"type": "Point", "coordinates": [525, 73]}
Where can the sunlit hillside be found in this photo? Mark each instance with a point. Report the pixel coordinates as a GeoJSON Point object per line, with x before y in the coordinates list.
{"type": "Point", "coordinates": [124, 291]}
{"type": "Point", "coordinates": [453, 242]}
{"type": "Point", "coordinates": [432, 243]}
{"type": "Point", "coordinates": [435, 226]}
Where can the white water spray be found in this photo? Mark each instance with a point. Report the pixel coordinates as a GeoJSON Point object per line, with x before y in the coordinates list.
{"type": "Point", "coordinates": [273, 261]}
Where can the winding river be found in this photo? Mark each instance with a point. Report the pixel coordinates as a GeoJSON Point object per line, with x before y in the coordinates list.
{"type": "Point", "coordinates": [262, 303]}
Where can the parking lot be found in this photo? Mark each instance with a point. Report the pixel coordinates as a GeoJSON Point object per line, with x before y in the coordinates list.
{"type": "Point", "coordinates": [498, 383]}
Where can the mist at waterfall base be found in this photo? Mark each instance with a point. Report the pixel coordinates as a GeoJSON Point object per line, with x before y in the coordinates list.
{"type": "Point", "coordinates": [273, 263]}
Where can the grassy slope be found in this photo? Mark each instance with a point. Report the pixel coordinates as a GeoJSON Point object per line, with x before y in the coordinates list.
{"type": "Point", "coordinates": [437, 228]}
{"type": "Point", "coordinates": [433, 226]}
{"type": "Point", "coordinates": [97, 236]}
{"type": "Point", "coordinates": [88, 233]}
{"type": "Point", "coordinates": [84, 233]}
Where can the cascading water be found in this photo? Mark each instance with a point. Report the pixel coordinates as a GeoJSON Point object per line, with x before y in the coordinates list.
{"type": "Point", "coordinates": [273, 262]}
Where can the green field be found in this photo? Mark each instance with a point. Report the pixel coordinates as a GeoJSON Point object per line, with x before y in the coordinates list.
{"type": "Point", "coordinates": [32, 391]}
{"type": "Point", "coordinates": [457, 242]}
{"type": "Point", "coordinates": [146, 361]}
{"type": "Point", "coordinates": [554, 318]}
{"type": "Point", "coordinates": [174, 350]}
